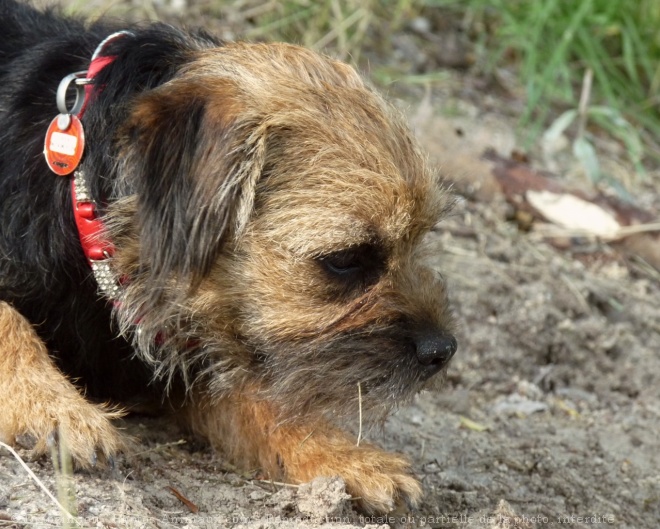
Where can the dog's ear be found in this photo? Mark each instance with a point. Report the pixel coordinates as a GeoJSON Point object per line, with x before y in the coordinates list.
{"type": "Point", "coordinates": [194, 167]}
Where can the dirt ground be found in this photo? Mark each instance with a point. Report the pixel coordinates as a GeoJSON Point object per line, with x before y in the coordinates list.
{"type": "Point", "coordinates": [550, 414]}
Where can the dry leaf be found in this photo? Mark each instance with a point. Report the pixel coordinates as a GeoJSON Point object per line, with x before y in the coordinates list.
{"type": "Point", "coordinates": [574, 213]}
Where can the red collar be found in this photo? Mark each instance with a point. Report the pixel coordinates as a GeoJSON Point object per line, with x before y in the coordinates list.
{"type": "Point", "coordinates": [91, 230]}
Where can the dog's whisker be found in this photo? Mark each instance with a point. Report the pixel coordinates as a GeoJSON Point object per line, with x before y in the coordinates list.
{"type": "Point", "coordinates": [359, 436]}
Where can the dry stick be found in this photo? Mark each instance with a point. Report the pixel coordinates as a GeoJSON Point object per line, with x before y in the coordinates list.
{"type": "Point", "coordinates": [179, 496]}
{"type": "Point", "coordinates": [161, 447]}
{"type": "Point", "coordinates": [584, 101]}
{"type": "Point", "coordinates": [282, 484]}
{"type": "Point", "coordinates": [261, 483]}
{"type": "Point", "coordinates": [622, 232]}
{"type": "Point", "coordinates": [37, 480]}
{"type": "Point", "coordinates": [360, 414]}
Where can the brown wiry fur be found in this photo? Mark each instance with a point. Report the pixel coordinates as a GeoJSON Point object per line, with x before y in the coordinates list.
{"type": "Point", "coordinates": [295, 159]}
{"type": "Point", "coordinates": [318, 165]}
{"type": "Point", "coordinates": [36, 399]}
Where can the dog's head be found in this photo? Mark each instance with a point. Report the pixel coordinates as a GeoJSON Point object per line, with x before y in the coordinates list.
{"type": "Point", "coordinates": [270, 227]}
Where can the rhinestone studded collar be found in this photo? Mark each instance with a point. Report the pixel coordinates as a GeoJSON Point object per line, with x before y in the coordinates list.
{"type": "Point", "coordinates": [91, 230]}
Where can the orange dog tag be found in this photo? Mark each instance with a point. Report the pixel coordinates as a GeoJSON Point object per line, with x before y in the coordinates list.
{"type": "Point", "coordinates": [64, 145]}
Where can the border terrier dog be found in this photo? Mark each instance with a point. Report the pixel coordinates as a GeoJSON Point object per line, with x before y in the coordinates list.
{"type": "Point", "coordinates": [239, 243]}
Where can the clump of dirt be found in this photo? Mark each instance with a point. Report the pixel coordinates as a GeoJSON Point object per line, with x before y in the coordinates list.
{"type": "Point", "coordinates": [324, 499]}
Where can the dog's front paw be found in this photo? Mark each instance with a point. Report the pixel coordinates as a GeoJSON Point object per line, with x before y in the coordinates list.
{"type": "Point", "coordinates": [382, 482]}
{"type": "Point", "coordinates": [38, 401]}
{"type": "Point", "coordinates": [82, 429]}
{"type": "Point", "coordinates": [85, 430]}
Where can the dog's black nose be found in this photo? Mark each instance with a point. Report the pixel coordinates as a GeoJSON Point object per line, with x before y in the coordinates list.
{"type": "Point", "coordinates": [435, 349]}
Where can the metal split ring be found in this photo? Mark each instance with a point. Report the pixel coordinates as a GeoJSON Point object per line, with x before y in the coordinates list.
{"type": "Point", "coordinates": [79, 79]}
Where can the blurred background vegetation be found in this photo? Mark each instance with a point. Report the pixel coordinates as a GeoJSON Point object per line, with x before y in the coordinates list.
{"type": "Point", "coordinates": [581, 69]}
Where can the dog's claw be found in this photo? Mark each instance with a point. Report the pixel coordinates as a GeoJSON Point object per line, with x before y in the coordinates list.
{"type": "Point", "coordinates": [111, 462]}
{"type": "Point", "coordinates": [86, 451]}
{"type": "Point", "coordinates": [392, 490]}
{"type": "Point", "coordinates": [411, 502]}
{"type": "Point", "coordinates": [51, 439]}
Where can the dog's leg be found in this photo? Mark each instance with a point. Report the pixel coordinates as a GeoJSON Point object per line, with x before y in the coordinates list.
{"type": "Point", "coordinates": [36, 399]}
{"type": "Point", "coordinates": [248, 431]}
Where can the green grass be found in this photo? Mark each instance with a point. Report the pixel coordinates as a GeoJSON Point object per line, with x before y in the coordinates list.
{"type": "Point", "coordinates": [553, 43]}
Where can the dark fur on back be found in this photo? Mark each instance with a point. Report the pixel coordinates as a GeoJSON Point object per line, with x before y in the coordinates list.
{"type": "Point", "coordinates": [43, 272]}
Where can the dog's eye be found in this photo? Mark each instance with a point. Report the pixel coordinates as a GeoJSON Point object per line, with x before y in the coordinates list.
{"type": "Point", "coordinates": [359, 265]}
{"type": "Point", "coordinates": [342, 263]}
